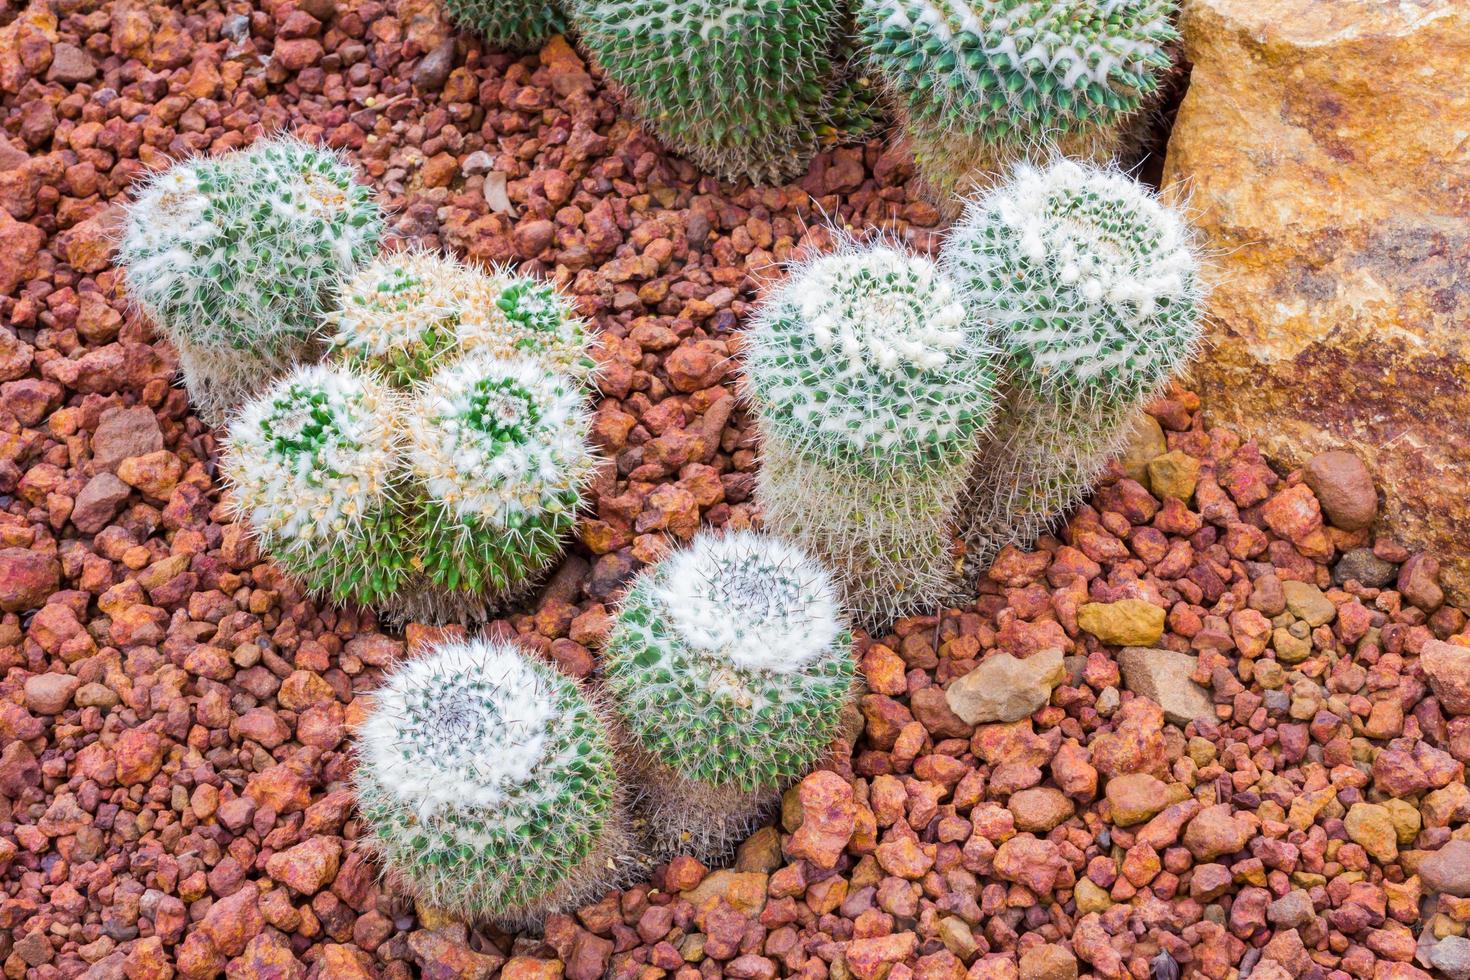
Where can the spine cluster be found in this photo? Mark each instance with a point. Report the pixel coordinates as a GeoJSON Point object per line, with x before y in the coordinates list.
{"type": "Point", "coordinates": [872, 385]}
{"type": "Point", "coordinates": [730, 665]}
{"type": "Point", "coordinates": [490, 785]}
{"type": "Point", "coordinates": [1092, 289]}
{"type": "Point", "coordinates": [236, 258]}
{"type": "Point", "coordinates": [519, 25]}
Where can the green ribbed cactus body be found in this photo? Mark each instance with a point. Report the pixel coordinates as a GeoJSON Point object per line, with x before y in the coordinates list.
{"type": "Point", "coordinates": [236, 259]}
{"type": "Point", "coordinates": [488, 784]}
{"type": "Point", "coordinates": [314, 466]}
{"type": "Point", "coordinates": [730, 666]}
{"type": "Point", "coordinates": [516, 25]}
{"type": "Point", "coordinates": [740, 87]}
{"type": "Point", "coordinates": [872, 384]}
{"type": "Point", "coordinates": [979, 84]}
{"type": "Point", "coordinates": [1092, 286]}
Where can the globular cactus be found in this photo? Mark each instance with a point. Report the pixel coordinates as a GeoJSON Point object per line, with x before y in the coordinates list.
{"type": "Point", "coordinates": [236, 258]}
{"type": "Point", "coordinates": [516, 25]}
{"type": "Point", "coordinates": [410, 313]}
{"type": "Point", "coordinates": [488, 784]}
{"type": "Point", "coordinates": [315, 471]}
{"type": "Point", "coordinates": [498, 449]}
{"type": "Point", "coordinates": [739, 86]}
{"type": "Point", "coordinates": [1093, 289]}
{"type": "Point", "coordinates": [979, 84]}
{"type": "Point", "coordinates": [872, 384]}
{"type": "Point", "coordinates": [730, 665]}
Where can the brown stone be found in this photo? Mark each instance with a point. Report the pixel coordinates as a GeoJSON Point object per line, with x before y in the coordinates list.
{"type": "Point", "coordinates": [1006, 688]}
{"type": "Point", "coordinates": [1336, 215]}
{"type": "Point", "coordinates": [1163, 676]}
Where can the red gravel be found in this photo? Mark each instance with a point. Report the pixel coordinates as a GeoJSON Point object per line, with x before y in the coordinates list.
{"type": "Point", "coordinates": [174, 716]}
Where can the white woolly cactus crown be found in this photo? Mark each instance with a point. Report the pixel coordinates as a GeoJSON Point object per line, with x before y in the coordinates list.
{"type": "Point", "coordinates": [500, 449]}
{"type": "Point", "coordinates": [867, 358]}
{"type": "Point", "coordinates": [730, 661]}
{"type": "Point", "coordinates": [488, 782]}
{"type": "Point", "coordinates": [314, 467]}
{"type": "Point", "coordinates": [1091, 282]}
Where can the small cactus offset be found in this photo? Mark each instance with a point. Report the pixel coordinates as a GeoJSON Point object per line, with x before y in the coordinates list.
{"type": "Point", "coordinates": [515, 25]}
{"type": "Point", "coordinates": [731, 666]}
{"type": "Point", "coordinates": [499, 452]}
{"type": "Point", "coordinates": [979, 84]}
{"type": "Point", "coordinates": [407, 314]}
{"type": "Point", "coordinates": [487, 781]}
{"type": "Point", "coordinates": [236, 257]}
{"type": "Point", "coordinates": [872, 385]}
{"type": "Point", "coordinates": [1093, 288]}
{"type": "Point", "coordinates": [739, 86]}
{"type": "Point", "coordinates": [315, 471]}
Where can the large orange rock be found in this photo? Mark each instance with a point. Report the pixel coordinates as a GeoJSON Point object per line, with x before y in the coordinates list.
{"type": "Point", "coordinates": [1325, 147]}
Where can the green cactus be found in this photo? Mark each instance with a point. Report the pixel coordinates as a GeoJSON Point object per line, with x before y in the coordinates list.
{"type": "Point", "coordinates": [740, 87]}
{"type": "Point", "coordinates": [516, 25]}
{"type": "Point", "coordinates": [488, 784]}
{"type": "Point", "coordinates": [315, 470]}
{"type": "Point", "coordinates": [410, 313]}
{"type": "Point", "coordinates": [872, 385]}
{"type": "Point", "coordinates": [236, 257]}
{"type": "Point", "coordinates": [1092, 286]}
{"type": "Point", "coordinates": [980, 84]}
{"type": "Point", "coordinates": [730, 666]}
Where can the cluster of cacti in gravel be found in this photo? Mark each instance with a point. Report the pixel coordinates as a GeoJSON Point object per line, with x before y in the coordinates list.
{"type": "Point", "coordinates": [752, 88]}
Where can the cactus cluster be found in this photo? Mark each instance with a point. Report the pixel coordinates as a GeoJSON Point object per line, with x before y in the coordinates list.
{"type": "Point", "coordinates": [236, 259]}
{"type": "Point", "coordinates": [872, 385]}
{"type": "Point", "coordinates": [1092, 289]}
{"type": "Point", "coordinates": [730, 665]}
{"type": "Point", "coordinates": [408, 313]}
{"type": "Point", "coordinates": [490, 785]}
{"type": "Point", "coordinates": [740, 87]}
{"type": "Point", "coordinates": [979, 84]}
{"type": "Point", "coordinates": [517, 25]}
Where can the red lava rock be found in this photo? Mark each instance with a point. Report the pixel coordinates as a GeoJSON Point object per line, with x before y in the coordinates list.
{"type": "Point", "coordinates": [27, 579]}
{"type": "Point", "coordinates": [309, 866]}
{"type": "Point", "coordinates": [828, 819]}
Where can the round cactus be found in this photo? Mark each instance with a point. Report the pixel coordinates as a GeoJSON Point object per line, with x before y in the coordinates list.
{"type": "Point", "coordinates": [872, 385]}
{"type": "Point", "coordinates": [409, 313]}
{"type": "Point", "coordinates": [236, 257]}
{"type": "Point", "coordinates": [314, 469]}
{"type": "Point", "coordinates": [516, 25]}
{"type": "Point", "coordinates": [1093, 289]}
{"type": "Point", "coordinates": [740, 87]}
{"type": "Point", "coordinates": [499, 449]}
{"type": "Point", "coordinates": [979, 82]}
{"type": "Point", "coordinates": [730, 665]}
{"type": "Point", "coordinates": [488, 783]}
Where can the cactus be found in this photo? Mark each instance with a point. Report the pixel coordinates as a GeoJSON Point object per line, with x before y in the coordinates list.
{"type": "Point", "coordinates": [236, 257]}
{"type": "Point", "coordinates": [730, 665]}
{"type": "Point", "coordinates": [314, 467]}
{"type": "Point", "coordinates": [740, 87]}
{"type": "Point", "coordinates": [872, 385]}
{"type": "Point", "coordinates": [979, 84]}
{"type": "Point", "coordinates": [499, 452]}
{"type": "Point", "coordinates": [409, 313]}
{"type": "Point", "coordinates": [488, 784]}
{"type": "Point", "coordinates": [516, 25]}
{"type": "Point", "coordinates": [1093, 288]}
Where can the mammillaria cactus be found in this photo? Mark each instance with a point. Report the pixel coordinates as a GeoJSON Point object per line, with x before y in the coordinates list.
{"type": "Point", "coordinates": [517, 25]}
{"type": "Point", "coordinates": [409, 313]}
{"type": "Point", "coordinates": [730, 665]}
{"type": "Point", "coordinates": [979, 83]}
{"type": "Point", "coordinates": [236, 257]}
{"type": "Point", "coordinates": [488, 782]}
{"type": "Point", "coordinates": [740, 87]}
{"type": "Point", "coordinates": [872, 384]}
{"type": "Point", "coordinates": [500, 455]}
{"type": "Point", "coordinates": [1093, 288]}
{"type": "Point", "coordinates": [314, 468]}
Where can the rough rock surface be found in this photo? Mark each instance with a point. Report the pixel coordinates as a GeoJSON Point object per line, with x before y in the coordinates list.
{"type": "Point", "coordinates": [1337, 220]}
{"type": "Point", "coordinates": [1004, 688]}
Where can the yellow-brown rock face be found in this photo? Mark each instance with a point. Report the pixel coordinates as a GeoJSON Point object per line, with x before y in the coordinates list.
{"type": "Point", "coordinates": [1326, 147]}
